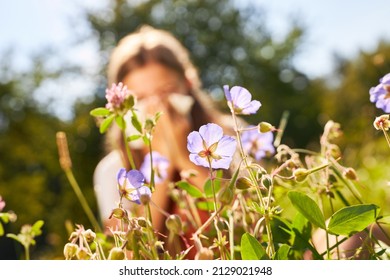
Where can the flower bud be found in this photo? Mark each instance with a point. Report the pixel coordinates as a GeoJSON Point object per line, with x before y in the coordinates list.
{"type": "Point", "coordinates": [82, 254]}
{"type": "Point", "coordinates": [12, 217]}
{"type": "Point", "coordinates": [334, 151]}
{"type": "Point", "coordinates": [174, 224]}
{"type": "Point", "coordinates": [116, 254]}
{"type": "Point", "coordinates": [226, 195]}
{"type": "Point", "coordinates": [300, 174]}
{"type": "Point", "coordinates": [350, 173]}
{"type": "Point", "coordinates": [145, 199]}
{"type": "Point", "coordinates": [141, 221]}
{"type": "Point", "coordinates": [118, 213]}
{"type": "Point", "coordinates": [70, 250]}
{"type": "Point", "coordinates": [89, 235]}
{"type": "Point", "coordinates": [243, 183]}
{"type": "Point", "coordinates": [265, 127]}
{"type": "Point", "coordinates": [204, 254]}
{"type": "Point", "coordinates": [266, 181]}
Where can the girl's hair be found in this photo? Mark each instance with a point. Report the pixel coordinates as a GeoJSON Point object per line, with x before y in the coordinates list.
{"type": "Point", "coordinates": [148, 44]}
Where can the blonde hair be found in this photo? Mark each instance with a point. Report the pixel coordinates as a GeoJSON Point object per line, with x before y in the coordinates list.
{"type": "Point", "coordinates": [148, 44]}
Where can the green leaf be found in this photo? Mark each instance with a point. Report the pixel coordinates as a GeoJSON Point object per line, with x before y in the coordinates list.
{"type": "Point", "coordinates": [307, 207]}
{"type": "Point", "coordinates": [352, 219]}
{"type": "Point", "coordinates": [251, 248]}
{"type": "Point", "coordinates": [120, 122]}
{"type": "Point", "coordinates": [190, 189]}
{"type": "Point", "coordinates": [133, 137]}
{"type": "Point", "coordinates": [1, 230]}
{"type": "Point", "coordinates": [282, 253]}
{"type": "Point", "coordinates": [106, 123]}
{"type": "Point", "coordinates": [136, 123]}
{"type": "Point", "coordinates": [36, 227]}
{"type": "Point", "coordinates": [100, 112]}
{"type": "Point", "coordinates": [208, 190]}
{"type": "Point", "coordinates": [14, 236]}
{"type": "Point", "coordinates": [205, 205]}
{"type": "Point", "coordinates": [4, 217]}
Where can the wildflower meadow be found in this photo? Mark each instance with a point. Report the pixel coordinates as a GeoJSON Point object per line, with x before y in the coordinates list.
{"type": "Point", "coordinates": [276, 203]}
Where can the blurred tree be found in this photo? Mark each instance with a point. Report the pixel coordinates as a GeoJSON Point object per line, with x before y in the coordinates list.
{"type": "Point", "coordinates": [347, 101]}
{"type": "Point", "coordinates": [31, 181]}
{"type": "Point", "coordinates": [229, 44]}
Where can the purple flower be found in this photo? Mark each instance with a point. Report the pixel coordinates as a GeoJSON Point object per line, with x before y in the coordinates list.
{"type": "Point", "coordinates": [257, 144]}
{"type": "Point", "coordinates": [239, 100]}
{"type": "Point", "coordinates": [131, 185]}
{"type": "Point", "coordinates": [117, 97]}
{"type": "Point", "coordinates": [160, 167]}
{"type": "Point", "coordinates": [2, 204]}
{"type": "Point", "coordinates": [210, 148]}
{"type": "Point", "coordinates": [381, 94]}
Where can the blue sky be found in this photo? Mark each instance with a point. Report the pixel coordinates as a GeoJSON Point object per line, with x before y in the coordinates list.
{"type": "Point", "coordinates": [332, 26]}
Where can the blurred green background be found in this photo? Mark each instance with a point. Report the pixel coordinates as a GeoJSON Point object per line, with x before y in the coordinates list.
{"type": "Point", "coordinates": [229, 45]}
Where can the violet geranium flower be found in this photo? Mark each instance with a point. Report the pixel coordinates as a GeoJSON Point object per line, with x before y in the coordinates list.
{"type": "Point", "coordinates": [210, 148]}
{"type": "Point", "coordinates": [131, 185]}
{"type": "Point", "coordinates": [240, 100]}
{"type": "Point", "coordinates": [380, 95]}
{"type": "Point", "coordinates": [160, 167]}
{"type": "Point", "coordinates": [257, 144]}
{"type": "Point", "coordinates": [118, 97]}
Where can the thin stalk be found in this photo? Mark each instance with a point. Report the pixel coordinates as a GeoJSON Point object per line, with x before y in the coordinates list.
{"type": "Point", "coordinates": [152, 241]}
{"type": "Point", "coordinates": [128, 152]}
{"type": "Point", "coordinates": [83, 201]}
{"type": "Point", "coordinates": [27, 251]}
{"type": "Point", "coordinates": [271, 248]}
{"type": "Point", "coordinates": [386, 136]}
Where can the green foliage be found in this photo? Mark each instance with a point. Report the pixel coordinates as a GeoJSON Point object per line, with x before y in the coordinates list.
{"type": "Point", "coordinates": [251, 249]}
{"type": "Point", "coordinates": [352, 219]}
{"type": "Point", "coordinates": [308, 208]}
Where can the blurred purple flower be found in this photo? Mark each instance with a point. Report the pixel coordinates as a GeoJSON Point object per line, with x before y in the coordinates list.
{"type": "Point", "coordinates": [380, 95]}
{"type": "Point", "coordinates": [160, 167]}
{"type": "Point", "coordinates": [2, 204]}
{"type": "Point", "coordinates": [131, 185]}
{"type": "Point", "coordinates": [117, 96]}
{"type": "Point", "coordinates": [239, 100]}
{"type": "Point", "coordinates": [210, 148]}
{"type": "Point", "coordinates": [257, 144]}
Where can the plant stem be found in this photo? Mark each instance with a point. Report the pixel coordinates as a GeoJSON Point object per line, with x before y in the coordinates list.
{"type": "Point", "coordinates": [386, 136]}
{"type": "Point", "coordinates": [128, 152]}
{"type": "Point", "coordinates": [271, 248]}
{"type": "Point", "coordinates": [81, 198]}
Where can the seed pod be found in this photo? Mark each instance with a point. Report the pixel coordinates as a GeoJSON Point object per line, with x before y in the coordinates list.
{"type": "Point", "coordinates": [350, 174]}
{"type": "Point", "coordinates": [174, 224]}
{"type": "Point", "coordinates": [265, 127]}
{"type": "Point", "coordinates": [243, 183]}
{"type": "Point", "coordinates": [300, 174]}
{"type": "Point", "coordinates": [70, 250]}
{"type": "Point", "coordinates": [116, 254]}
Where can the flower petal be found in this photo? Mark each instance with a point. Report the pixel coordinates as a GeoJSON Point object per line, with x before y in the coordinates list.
{"type": "Point", "coordinates": [227, 93]}
{"type": "Point", "coordinates": [136, 178]}
{"type": "Point", "coordinates": [194, 142]}
{"type": "Point", "coordinates": [200, 161]}
{"type": "Point", "coordinates": [251, 108]}
{"type": "Point", "coordinates": [211, 133]}
{"type": "Point", "coordinates": [226, 146]}
{"type": "Point", "coordinates": [241, 96]}
{"type": "Point", "coordinates": [121, 176]}
{"type": "Point", "coordinates": [222, 163]}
